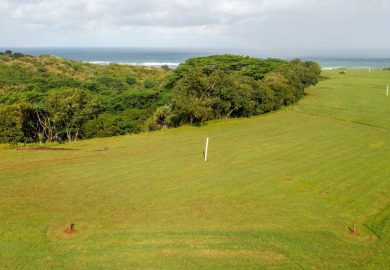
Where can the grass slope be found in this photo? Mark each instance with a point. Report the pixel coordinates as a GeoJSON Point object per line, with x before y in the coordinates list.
{"type": "Point", "coordinates": [278, 192]}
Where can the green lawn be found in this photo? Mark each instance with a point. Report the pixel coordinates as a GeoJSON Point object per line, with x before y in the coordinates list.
{"type": "Point", "coordinates": [359, 96]}
{"type": "Point", "coordinates": [280, 191]}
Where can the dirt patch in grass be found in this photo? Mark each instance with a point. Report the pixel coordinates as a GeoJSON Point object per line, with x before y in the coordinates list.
{"type": "Point", "coordinates": [356, 233]}
{"type": "Point", "coordinates": [70, 229]}
{"type": "Point", "coordinates": [353, 230]}
{"type": "Point", "coordinates": [101, 150]}
{"type": "Point", "coordinates": [264, 256]}
{"type": "Point", "coordinates": [66, 231]}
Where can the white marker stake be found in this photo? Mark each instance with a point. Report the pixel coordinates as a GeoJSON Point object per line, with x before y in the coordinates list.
{"type": "Point", "coordinates": [369, 70]}
{"type": "Point", "coordinates": [207, 148]}
{"type": "Point", "coordinates": [387, 91]}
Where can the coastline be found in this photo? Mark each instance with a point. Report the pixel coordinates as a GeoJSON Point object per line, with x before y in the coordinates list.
{"type": "Point", "coordinates": [157, 57]}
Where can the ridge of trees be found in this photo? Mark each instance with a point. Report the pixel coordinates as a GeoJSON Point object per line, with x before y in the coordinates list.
{"type": "Point", "coordinates": [226, 86]}
{"type": "Point", "coordinates": [47, 98]}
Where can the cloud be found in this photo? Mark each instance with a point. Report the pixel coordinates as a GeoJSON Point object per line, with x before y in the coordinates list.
{"type": "Point", "coordinates": [254, 23]}
{"type": "Point", "coordinates": [161, 13]}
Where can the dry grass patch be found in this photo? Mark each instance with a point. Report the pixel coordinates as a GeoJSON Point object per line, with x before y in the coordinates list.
{"type": "Point", "coordinates": [265, 256]}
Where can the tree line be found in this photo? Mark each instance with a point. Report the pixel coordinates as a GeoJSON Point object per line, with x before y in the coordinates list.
{"type": "Point", "coordinates": [225, 88]}
{"type": "Point", "coordinates": [46, 98]}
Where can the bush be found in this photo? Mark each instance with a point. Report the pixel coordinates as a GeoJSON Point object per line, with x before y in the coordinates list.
{"type": "Point", "coordinates": [149, 83]}
{"type": "Point", "coordinates": [130, 80]}
{"type": "Point", "coordinates": [112, 83]}
{"type": "Point", "coordinates": [11, 124]}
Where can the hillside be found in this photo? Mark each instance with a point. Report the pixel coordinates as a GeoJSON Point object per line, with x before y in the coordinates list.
{"type": "Point", "coordinates": [46, 99]}
{"type": "Point", "coordinates": [125, 96]}
{"type": "Point", "coordinates": [303, 188]}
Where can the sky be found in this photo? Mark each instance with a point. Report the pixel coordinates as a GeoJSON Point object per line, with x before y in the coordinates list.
{"type": "Point", "coordinates": [289, 26]}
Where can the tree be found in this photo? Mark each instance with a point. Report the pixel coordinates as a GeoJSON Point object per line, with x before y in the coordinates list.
{"type": "Point", "coordinates": [300, 75]}
{"type": "Point", "coordinates": [104, 125]}
{"type": "Point", "coordinates": [264, 98]}
{"type": "Point", "coordinates": [192, 96]}
{"type": "Point", "coordinates": [199, 96]}
{"type": "Point", "coordinates": [70, 110]}
{"type": "Point", "coordinates": [37, 125]}
{"type": "Point", "coordinates": [24, 122]}
{"type": "Point", "coordinates": [165, 67]}
{"type": "Point", "coordinates": [283, 91]}
{"type": "Point", "coordinates": [244, 65]}
{"type": "Point", "coordinates": [237, 95]}
{"type": "Point", "coordinates": [162, 117]}
{"type": "Point", "coordinates": [149, 83]}
{"type": "Point", "coordinates": [11, 123]}
{"type": "Point", "coordinates": [131, 80]}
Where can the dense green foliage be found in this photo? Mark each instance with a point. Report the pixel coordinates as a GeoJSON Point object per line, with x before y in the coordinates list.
{"type": "Point", "coordinates": [11, 123]}
{"type": "Point", "coordinates": [47, 98]}
{"type": "Point", "coordinates": [234, 86]}
{"type": "Point", "coordinates": [70, 109]}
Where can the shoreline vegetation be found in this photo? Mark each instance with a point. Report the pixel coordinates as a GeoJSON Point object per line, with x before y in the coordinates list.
{"type": "Point", "coordinates": [46, 99]}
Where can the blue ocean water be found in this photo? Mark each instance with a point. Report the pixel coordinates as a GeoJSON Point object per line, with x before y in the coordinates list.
{"type": "Point", "coordinates": [174, 56]}
{"type": "Point", "coordinates": [132, 56]}
{"type": "Point", "coordinates": [353, 62]}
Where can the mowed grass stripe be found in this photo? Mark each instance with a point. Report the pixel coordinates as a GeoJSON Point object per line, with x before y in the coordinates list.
{"type": "Point", "coordinates": [358, 96]}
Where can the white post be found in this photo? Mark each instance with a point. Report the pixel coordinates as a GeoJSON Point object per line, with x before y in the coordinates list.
{"type": "Point", "coordinates": [207, 148]}
{"type": "Point", "coordinates": [369, 70]}
{"type": "Point", "coordinates": [387, 91]}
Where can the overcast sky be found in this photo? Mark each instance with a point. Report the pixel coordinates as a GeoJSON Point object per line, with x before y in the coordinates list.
{"type": "Point", "coordinates": [278, 25]}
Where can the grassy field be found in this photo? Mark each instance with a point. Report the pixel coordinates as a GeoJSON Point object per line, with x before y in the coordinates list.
{"type": "Point", "coordinates": [281, 191]}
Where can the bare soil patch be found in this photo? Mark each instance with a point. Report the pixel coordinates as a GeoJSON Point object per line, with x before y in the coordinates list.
{"type": "Point", "coordinates": [65, 231]}
{"type": "Point", "coordinates": [70, 229]}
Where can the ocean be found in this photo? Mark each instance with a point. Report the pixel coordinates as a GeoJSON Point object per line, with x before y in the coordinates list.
{"type": "Point", "coordinates": [174, 56]}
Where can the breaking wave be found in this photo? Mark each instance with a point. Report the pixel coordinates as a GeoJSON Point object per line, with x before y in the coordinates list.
{"type": "Point", "coordinates": [148, 64]}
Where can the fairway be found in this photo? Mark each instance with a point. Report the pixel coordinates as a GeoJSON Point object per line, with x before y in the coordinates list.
{"type": "Point", "coordinates": [303, 188]}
